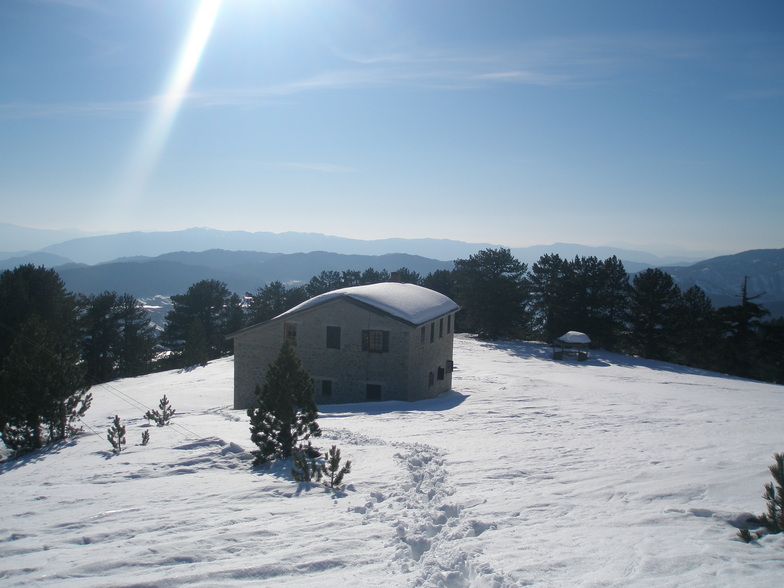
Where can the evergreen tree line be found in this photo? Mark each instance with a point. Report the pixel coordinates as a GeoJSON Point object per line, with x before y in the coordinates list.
{"type": "Point", "coordinates": [647, 315]}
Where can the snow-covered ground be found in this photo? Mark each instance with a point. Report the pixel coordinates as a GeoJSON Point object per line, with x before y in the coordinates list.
{"type": "Point", "coordinates": [610, 472]}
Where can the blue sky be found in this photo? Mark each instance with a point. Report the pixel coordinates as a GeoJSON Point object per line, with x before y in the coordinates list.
{"type": "Point", "coordinates": [510, 122]}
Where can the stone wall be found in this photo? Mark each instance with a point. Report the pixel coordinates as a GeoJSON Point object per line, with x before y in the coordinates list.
{"type": "Point", "coordinates": [402, 372]}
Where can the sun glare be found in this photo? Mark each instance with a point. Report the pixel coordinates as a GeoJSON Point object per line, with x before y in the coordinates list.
{"type": "Point", "coordinates": [175, 91]}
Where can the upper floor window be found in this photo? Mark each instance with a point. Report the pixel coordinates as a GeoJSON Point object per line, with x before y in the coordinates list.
{"type": "Point", "coordinates": [432, 332]}
{"type": "Point", "coordinates": [333, 337]}
{"type": "Point", "coordinates": [290, 333]}
{"type": "Point", "coordinates": [449, 323]}
{"type": "Point", "coordinates": [375, 341]}
{"type": "Point", "coordinates": [441, 329]}
{"type": "Point", "coordinates": [422, 337]}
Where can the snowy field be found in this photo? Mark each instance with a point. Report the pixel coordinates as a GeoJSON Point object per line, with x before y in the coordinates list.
{"type": "Point", "coordinates": [611, 472]}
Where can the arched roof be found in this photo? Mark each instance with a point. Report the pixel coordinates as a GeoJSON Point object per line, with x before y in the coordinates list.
{"type": "Point", "coordinates": [408, 302]}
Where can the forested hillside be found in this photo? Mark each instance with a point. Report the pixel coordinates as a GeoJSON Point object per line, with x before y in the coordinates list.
{"type": "Point", "coordinates": [55, 340]}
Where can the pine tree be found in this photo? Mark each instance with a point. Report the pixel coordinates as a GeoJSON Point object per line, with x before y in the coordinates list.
{"type": "Point", "coordinates": [332, 471]}
{"type": "Point", "coordinates": [137, 348]}
{"type": "Point", "coordinates": [305, 468]}
{"type": "Point", "coordinates": [698, 336]}
{"type": "Point", "coordinates": [196, 351]}
{"type": "Point", "coordinates": [286, 414]}
{"type": "Point", "coordinates": [741, 324]}
{"type": "Point", "coordinates": [548, 296]}
{"type": "Point", "coordinates": [654, 308]}
{"type": "Point", "coordinates": [209, 303]}
{"type": "Point", "coordinates": [164, 415]}
{"type": "Point", "coordinates": [492, 288]}
{"type": "Point", "coordinates": [100, 335]}
{"type": "Point", "coordinates": [116, 435]}
{"type": "Point", "coordinates": [773, 519]}
{"type": "Point", "coordinates": [43, 389]}
{"type": "Point", "coordinates": [268, 302]}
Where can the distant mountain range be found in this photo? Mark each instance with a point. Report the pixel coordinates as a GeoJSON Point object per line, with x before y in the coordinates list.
{"type": "Point", "coordinates": [242, 271]}
{"type": "Point", "coordinates": [166, 263]}
{"type": "Point", "coordinates": [722, 278]}
{"type": "Point", "coordinates": [104, 248]}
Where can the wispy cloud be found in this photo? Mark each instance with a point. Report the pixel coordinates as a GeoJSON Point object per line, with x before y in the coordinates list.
{"type": "Point", "coordinates": [554, 62]}
{"type": "Point", "coordinates": [91, 5]}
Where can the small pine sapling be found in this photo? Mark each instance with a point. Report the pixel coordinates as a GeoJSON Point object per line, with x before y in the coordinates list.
{"type": "Point", "coordinates": [163, 416]}
{"type": "Point", "coordinates": [116, 435]}
{"type": "Point", "coordinates": [745, 535]}
{"type": "Point", "coordinates": [145, 438]}
{"type": "Point", "coordinates": [306, 468]}
{"type": "Point", "coordinates": [332, 471]}
{"type": "Point", "coordinates": [773, 520]}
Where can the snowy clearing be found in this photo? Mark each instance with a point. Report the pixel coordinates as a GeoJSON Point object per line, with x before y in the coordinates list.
{"type": "Point", "coordinates": [615, 471]}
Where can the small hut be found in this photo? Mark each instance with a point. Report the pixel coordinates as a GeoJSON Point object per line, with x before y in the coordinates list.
{"type": "Point", "coordinates": [572, 343]}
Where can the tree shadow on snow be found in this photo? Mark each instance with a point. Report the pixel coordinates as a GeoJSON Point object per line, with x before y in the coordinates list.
{"type": "Point", "coordinates": [596, 358]}
{"type": "Point", "coordinates": [544, 352]}
{"type": "Point", "coordinates": [444, 401]}
{"type": "Point", "coordinates": [281, 469]}
{"type": "Point", "coordinates": [36, 455]}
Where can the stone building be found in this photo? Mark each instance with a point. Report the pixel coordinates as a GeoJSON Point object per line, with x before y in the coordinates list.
{"type": "Point", "coordinates": [387, 341]}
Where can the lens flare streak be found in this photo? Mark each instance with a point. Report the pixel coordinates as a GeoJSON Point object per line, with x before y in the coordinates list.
{"type": "Point", "coordinates": [168, 104]}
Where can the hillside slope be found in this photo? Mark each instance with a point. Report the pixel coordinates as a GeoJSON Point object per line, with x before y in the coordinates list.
{"type": "Point", "coordinates": [610, 472]}
{"type": "Point", "coordinates": [722, 278]}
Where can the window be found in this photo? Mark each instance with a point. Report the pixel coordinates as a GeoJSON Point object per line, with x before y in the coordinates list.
{"type": "Point", "coordinates": [373, 392]}
{"type": "Point", "coordinates": [333, 337]}
{"type": "Point", "coordinates": [326, 387]}
{"type": "Point", "coordinates": [375, 341]}
{"type": "Point", "coordinates": [432, 332]}
{"type": "Point", "coordinates": [440, 373]}
{"type": "Point", "coordinates": [441, 329]}
{"type": "Point", "coordinates": [290, 333]}
{"type": "Point", "coordinates": [422, 337]}
{"type": "Point", "coordinates": [450, 366]}
{"type": "Point", "coordinates": [449, 323]}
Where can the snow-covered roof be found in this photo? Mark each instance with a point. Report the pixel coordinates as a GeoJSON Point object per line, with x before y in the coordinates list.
{"type": "Point", "coordinates": [408, 302]}
{"type": "Point", "coordinates": [574, 337]}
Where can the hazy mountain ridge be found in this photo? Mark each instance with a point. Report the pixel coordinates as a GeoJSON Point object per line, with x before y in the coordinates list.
{"type": "Point", "coordinates": [146, 264]}
{"type": "Point", "coordinates": [242, 271]}
{"type": "Point", "coordinates": [18, 240]}
{"type": "Point", "coordinates": [722, 278]}
{"type": "Point", "coordinates": [104, 248]}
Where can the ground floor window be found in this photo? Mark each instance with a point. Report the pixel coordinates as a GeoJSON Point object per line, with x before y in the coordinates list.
{"type": "Point", "coordinates": [373, 392]}
{"type": "Point", "coordinates": [326, 387]}
{"type": "Point", "coordinates": [440, 373]}
{"type": "Point", "coordinates": [450, 366]}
